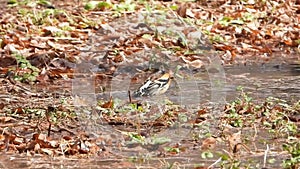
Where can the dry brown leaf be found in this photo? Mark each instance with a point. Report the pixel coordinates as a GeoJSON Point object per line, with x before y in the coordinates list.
{"type": "Point", "coordinates": [7, 119]}
{"type": "Point", "coordinates": [18, 141]}
{"type": "Point", "coordinates": [234, 140]}
{"type": "Point", "coordinates": [181, 11]}
{"type": "Point", "coordinates": [37, 148]}
{"type": "Point", "coordinates": [209, 143]}
{"type": "Point", "coordinates": [47, 151]}
{"type": "Point", "coordinates": [195, 63]}
{"type": "Point", "coordinates": [2, 137]}
{"type": "Point", "coordinates": [108, 104]}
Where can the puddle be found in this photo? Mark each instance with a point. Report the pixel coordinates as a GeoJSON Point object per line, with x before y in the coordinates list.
{"type": "Point", "coordinates": [281, 81]}
{"type": "Point", "coordinates": [261, 81]}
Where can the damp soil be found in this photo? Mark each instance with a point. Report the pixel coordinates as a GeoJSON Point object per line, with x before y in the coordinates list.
{"type": "Point", "coordinates": [260, 81]}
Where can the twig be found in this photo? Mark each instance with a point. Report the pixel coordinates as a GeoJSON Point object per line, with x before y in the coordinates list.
{"type": "Point", "coordinates": [254, 137]}
{"type": "Point", "coordinates": [49, 129]}
{"type": "Point", "coordinates": [177, 16]}
{"type": "Point", "coordinates": [228, 153]}
{"type": "Point", "coordinates": [49, 111]}
{"type": "Point", "coordinates": [216, 162]}
{"type": "Point", "coordinates": [129, 96]}
{"type": "Point", "coordinates": [65, 129]}
{"type": "Point", "coordinates": [265, 156]}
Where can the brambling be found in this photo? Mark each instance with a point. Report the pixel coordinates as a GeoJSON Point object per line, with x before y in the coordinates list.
{"type": "Point", "coordinates": [155, 85]}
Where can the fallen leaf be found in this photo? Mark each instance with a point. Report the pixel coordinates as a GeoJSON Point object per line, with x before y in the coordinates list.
{"type": "Point", "coordinates": [209, 143]}
{"type": "Point", "coordinates": [108, 104]}
{"type": "Point", "coordinates": [7, 119]}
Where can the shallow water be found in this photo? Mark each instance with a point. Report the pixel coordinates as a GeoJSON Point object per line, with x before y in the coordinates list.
{"type": "Point", "coordinates": [261, 81]}
{"type": "Point", "coordinates": [274, 80]}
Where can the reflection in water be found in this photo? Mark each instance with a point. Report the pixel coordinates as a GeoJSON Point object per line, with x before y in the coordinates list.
{"type": "Point", "coordinates": [264, 81]}
{"type": "Point", "coordinates": [261, 81]}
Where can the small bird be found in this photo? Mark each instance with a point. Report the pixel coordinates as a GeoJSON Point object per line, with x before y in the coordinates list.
{"type": "Point", "coordinates": [155, 85]}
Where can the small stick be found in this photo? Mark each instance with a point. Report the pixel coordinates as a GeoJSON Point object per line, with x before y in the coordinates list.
{"type": "Point", "coordinates": [216, 162]}
{"type": "Point", "coordinates": [265, 156]}
{"type": "Point", "coordinates": [129, 96]}
{"type": "Point", "coordinates": [48, 114]}
{"type": "Point", "coordinates": [49, 129]}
